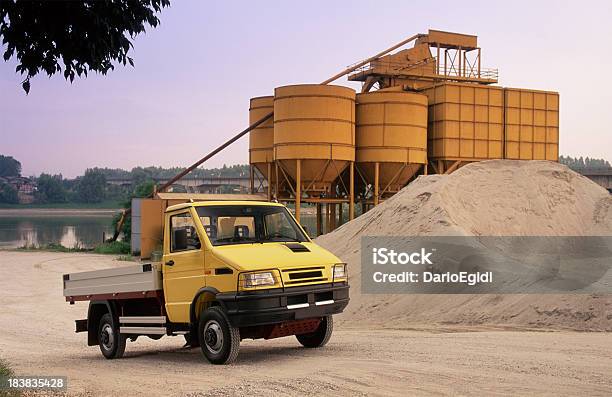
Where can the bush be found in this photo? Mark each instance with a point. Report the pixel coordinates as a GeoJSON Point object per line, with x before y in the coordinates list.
{"type": "Point", "coordinates": [55, 247]}
{"type": "Point", "coordinates": [113, 247]}
{"type": "Point", "coordinates": [5, 372]}
{"type": "Point", "coordinates": [8, 194]}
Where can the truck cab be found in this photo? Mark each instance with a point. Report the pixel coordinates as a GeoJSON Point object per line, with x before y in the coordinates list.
{"type": "Point", "coordinates": [230, 270]}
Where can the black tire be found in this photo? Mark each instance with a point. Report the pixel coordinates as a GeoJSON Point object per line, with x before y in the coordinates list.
{"type": "Point", "coordinates": [219, 340]}
{"type": "Point", "coordinates": [320, 337]}
{"type": "Point", "coordinates": [112, 343]}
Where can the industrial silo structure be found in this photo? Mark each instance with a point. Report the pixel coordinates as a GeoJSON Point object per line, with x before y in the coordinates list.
{"type": "Point", "coordinates": [531, 124]}
{"type": "Point", "coordinates": [391, 140]}
{"type": "Point", "coordinates": [261, 141]}
{"type": "Point", "coordinates": [314, 141]}
{"type": "Point", "coordinates": [466, 124]}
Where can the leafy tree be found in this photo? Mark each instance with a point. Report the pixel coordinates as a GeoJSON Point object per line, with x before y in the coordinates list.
{"type": "Point", "coordinates": [144, 190]}
{"type": "Point", "coordinates": [50, 189]}
{"type": "Point", "coordinates": [8, 194]}
{"type": "Point", "coordinates": [73, 36]}
{"type": "Point", "coordinates": [580, 163]}
{"type": "Point", "coordinates": [91, 187]}
{"type": "Point", "coordinates": [141, 175]}
{"type": "Point", "coordinates": [9, 166]}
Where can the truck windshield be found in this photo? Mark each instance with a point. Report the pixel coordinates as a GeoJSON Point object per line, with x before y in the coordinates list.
{"type": "Point", "coordinates": [244, 224]}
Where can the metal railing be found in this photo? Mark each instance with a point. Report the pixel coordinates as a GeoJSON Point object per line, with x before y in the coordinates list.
{"type": "Point", "coordinates": [428, 67]}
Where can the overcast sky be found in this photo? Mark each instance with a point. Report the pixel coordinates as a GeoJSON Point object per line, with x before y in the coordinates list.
{"type": "Point", "coordinates": [194, 75]}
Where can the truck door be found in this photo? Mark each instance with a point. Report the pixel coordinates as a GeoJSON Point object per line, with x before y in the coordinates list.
{"type": "Point", "coordinates": [183, 265]}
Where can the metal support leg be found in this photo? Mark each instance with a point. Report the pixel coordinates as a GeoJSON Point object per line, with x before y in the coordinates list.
{"type": "Point", "coordinates": [332, 217]}
{"type": "Point", "coordinates": [319, 220]}
{"type": "Point", "coordinates": [376, 182]}
{"type": "Point", "coordinates": [352, 191]}
{"type": "Point", "coordinates": [269, 181]}
{"type": "Point", "coordinates": [298, 188]}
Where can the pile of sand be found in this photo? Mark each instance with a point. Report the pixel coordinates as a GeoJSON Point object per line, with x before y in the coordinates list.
{"type": "Point", "coordinates": [492, 198]}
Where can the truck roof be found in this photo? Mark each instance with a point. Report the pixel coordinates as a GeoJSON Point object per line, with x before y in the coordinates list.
{"type": "Point", "coordinates": [220, 202]}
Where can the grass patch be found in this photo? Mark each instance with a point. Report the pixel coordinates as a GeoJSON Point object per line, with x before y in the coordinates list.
{"type": "Point", "coordinates": [5, 369]}
{"type": "Point", "coordinates": [111, 248]}
{"type": "Point", "coordinates": [53, 247]}
{"type": "Point", "coordinates": [114, 247]}
{"type": "Point", "coordinates": [126, 258]}
{"type": "Point", "coordinates": [5, 372]}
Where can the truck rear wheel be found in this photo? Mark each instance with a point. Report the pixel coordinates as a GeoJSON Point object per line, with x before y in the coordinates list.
{"type": "Point", "coordinates": [321, 336]}
{"type": "Point", "coordinates": [219, 340]}
{"type": "Point", "coordinates": [112, 343]}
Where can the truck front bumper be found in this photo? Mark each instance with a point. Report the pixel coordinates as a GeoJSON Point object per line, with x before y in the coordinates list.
{"type": "Point", "coordinates": [279, 305]}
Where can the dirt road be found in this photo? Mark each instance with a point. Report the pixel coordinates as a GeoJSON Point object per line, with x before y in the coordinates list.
{"type": "Point", "coordinates": [37, 338]}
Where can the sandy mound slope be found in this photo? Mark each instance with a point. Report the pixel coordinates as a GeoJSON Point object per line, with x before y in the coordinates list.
{"type": "Point", "coordinates": [492, 198]}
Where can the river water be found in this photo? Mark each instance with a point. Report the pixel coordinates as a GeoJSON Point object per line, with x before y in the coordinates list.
{"type": "Point", "coordinates": [70, 230]}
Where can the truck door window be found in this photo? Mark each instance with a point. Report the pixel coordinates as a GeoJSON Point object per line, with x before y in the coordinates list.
{"type": "Point", "coordinates": [183, 234]}
{"type": "Point", "coordinates": [278, 227]}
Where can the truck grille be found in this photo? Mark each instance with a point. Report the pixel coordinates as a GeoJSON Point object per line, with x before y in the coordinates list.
{"type": "Point", "coordinates": [305, 275]}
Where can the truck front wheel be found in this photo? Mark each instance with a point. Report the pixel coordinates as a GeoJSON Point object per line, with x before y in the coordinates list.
{"type": "Point", "coordinates": [219, 340]}
{"type": "Point", "coordinates": [112, 343]}
{"type": "Point", "coordinates": [321, 336]}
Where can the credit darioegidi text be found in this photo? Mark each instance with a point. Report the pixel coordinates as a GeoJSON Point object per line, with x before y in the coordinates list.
{"type": "Point", "coordinates": [431, 277]}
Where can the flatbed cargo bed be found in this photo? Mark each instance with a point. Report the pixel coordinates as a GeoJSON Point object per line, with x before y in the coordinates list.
{"type": "Point", "coordinates": [142, 280]}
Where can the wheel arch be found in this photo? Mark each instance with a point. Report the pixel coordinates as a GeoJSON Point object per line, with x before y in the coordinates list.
{"type": "Point", "coordinates": [96, 310]}
{"type": "Point", "coordinates": [205, 294]}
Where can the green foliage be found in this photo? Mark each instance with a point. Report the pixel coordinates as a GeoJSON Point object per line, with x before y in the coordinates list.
{"type": "Point", "coordinates": [145, 189]}
{"type": "Point", "coordinates": [8, 194]}
{"type": "Point", "coordinates": [5, 372]}
{"type": "Point", "coordinates": [126, 258]}
{"type": "Point", "coordinates": [580, 163]}
{"type": "Point", "coordinates": [113, 247]}
{"type": "Point", "coordinates": [54, 247]}
{"type": "Point", "coordinates": [5, 369]}
{"type": "Point", "coordinates": [91, 187]}
{"type": "Point", "coordinates": [50, 189]}
{"type": "Point", "coordinates": [73, 36]}
{"type": "Point", "coordinates": [140, 175]}
{"type": "Point", "coordinates": [9, 166]}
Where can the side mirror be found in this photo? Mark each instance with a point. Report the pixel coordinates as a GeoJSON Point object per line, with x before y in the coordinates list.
{"type": "Point", "coordinates": [179, 239]}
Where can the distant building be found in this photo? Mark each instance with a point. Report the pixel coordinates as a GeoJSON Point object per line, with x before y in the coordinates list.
{"type": "Point", "coordinates": [25, 187]}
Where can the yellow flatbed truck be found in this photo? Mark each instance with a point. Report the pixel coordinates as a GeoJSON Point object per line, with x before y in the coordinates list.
{"type": "Point", "coordinates": [231, 270]}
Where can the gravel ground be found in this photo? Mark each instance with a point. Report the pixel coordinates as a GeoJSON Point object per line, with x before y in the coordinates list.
{"type": "Point", "coordinates": [37, 339]}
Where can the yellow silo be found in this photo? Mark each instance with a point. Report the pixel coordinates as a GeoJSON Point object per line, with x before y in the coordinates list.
{"type": "Point", "coordinates": [261, 139]}
{"type": "Point", "coordinates": [314, 124]}
{"type": "Point", "coordinates": [391, 139]}
{"type": "Point", "coordinates": [314, 137]}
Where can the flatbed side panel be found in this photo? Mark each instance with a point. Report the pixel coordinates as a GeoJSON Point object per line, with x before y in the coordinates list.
{"type": "Point", "coordinates": [134, 278]}
{"type": "Point", "coordinates": [116, 296]}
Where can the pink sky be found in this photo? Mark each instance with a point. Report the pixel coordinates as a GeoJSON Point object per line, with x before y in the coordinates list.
{"type": "Point", "coordinates": [195, 73]}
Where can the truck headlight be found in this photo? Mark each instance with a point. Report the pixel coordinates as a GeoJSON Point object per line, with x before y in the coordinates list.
{"type": "Point", "coordinates": [339, 271]}
{"type": "Point", "coordinates": [258, 279]}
